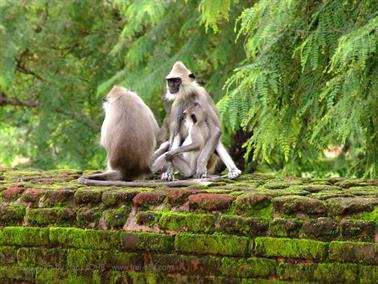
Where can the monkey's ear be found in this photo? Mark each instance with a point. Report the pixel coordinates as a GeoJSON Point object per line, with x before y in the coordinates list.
{"type": "Point", "coordinates": [191, 75]}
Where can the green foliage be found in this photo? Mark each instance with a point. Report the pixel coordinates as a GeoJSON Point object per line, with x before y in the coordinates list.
{"type": "Point", "coordinates": [301, 75]}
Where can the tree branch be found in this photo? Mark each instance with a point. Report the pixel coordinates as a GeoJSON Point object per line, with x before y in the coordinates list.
{"type": "Point", "coordinates": [4, 100]}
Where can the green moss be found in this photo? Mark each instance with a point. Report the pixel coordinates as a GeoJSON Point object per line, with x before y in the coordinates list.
{"type": "Point", "coordinates": [368, 274]}
{"type": "Point", "coordinates": [24, 236]}
{"type": "Point", "coordinates": [211, 244]}
{"type": "Point", "coordinates": [146, 241]}
{"type": "Point", "coordinates": [84, 238]}
{"type": "Point", "coordinates": [62, 276]}
{"type": "Point", "coordinates": [51, 216]}
{"type": "Point", "coordinates": [295, 248]}
{"type": "Point", "coordinates": [11, 274]}
{"type": "Point", "coordinates": [316, 187]}
{"type": "Point", "coordinates": [116, 218]}
{"type": "Point", "coordinates": [103, 259]}
{"type": "Point", "coordinates": [336, 273]}
{"type": "Point", "coordinates": [243, 226]}
{"type": "Point", "coordinates": [281, 227]}
{"type": "Point", "coordinates": [12, 215]}
{"type": "Point", "coordinates": [193, 222]}
{"type": "Point", "coordinates": [369, 216]}
{"type": "Point", "coordinates": [31, 257]}
{"type": "Point", "coordinates": [8, 255]}
{"type": "Point", "coordinates": [248, 268]}
{"type": "Point", "coordinates": [356, 252]}
{"type": "Point", "coordinates": [148, 218]}
{"type": "Point", "coordinates": [254, 204]}
{"type": "Point", "coordinates": [88, 217]}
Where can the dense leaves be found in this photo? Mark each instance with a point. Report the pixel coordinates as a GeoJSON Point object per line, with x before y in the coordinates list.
{"type": "Point", "coordinates": [302, 75]}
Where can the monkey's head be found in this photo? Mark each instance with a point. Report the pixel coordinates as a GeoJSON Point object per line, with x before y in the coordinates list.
{"type": "Point", "coordinates": [195, 113]}
{"type": "Point", "coordinates": [178, 77]}
{"type": "Point", "coordinates": [114, 94]}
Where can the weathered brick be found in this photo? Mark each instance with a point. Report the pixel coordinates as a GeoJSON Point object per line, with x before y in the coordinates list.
{"type": "Point", "coordinates": [42, 257]}
{"type": "Point", "coordinates": [88, 217]}
{"type": "Point", "coordinates": [178, 197]}
{"type": "Point", "coordinates": [146, 241]}
{"type": "Point", "coordinates": [59, 197]}
{"type": "Point", "coordinates": [147, 218]}
{"type": "Point", "coordinates": [281, 227]}
{"type": "Point", "coordinates": [83, 196]}
{"type": "Point", "coordinates": [357, 252]}
{"type": "Point", "coordinates": [32, 195]}
{"type": "Point", "coordinates": [116, 218]}
{"type": "Point", "coordinates": [84, 238]}
{"type": "Point", "coordinates": [249, 268]}
{"type": "Point", "coordinates": [346, 206]}
{"type": "Point", "coordinates": [243, 226]}
{"type": "Point", "coordinates": [211, 244]}
{"type": "Point", "coordinates": [292, 248]}
{"type": "Point", "coordinates": [147, 199]}
{"type": "Point", "coordinates": [11, 215]}
{"type": "Point", "coordinates": [24, 236]}
{"type": "Point", "coordinates": [51, 216]}
{"type": "Point", "coordinates": [322, 229]}
{"type": "Point", "coordinates": [358, 230]}
{"type": "Point", "coordinates": [192, 222]}
{"type": "Point", "coordinates": [210, 201]}
{"type": "Point", "coordinates": [14, 274]}
{"type": "Point", "coordinates": [299, 204]}
{"type": "Point", "coordinates": [248, 204]}
{"type": "Point", "coordinates": [117, 197]}
{"type": "Point", "coordinates": [8, 255]}
{"type": "Point", "coordinates": [13, 192]}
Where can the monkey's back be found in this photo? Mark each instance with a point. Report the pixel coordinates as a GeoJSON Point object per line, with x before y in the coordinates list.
{"type": "Point", "coordinates": [133, 129]}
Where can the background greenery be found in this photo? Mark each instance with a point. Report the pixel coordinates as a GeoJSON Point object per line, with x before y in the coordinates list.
{"type": "Point", "coordinates": [294, 76]}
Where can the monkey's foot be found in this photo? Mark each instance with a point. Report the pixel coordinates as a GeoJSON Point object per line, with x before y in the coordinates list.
{"type": "Point", "coordinates": [201, 173]}
{"type": "Point", "coordinates": [234, 173]}
{"type": "Point", "coordinates": [167, 176]}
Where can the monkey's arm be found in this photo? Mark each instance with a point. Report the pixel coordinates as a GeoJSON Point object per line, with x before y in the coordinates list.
{"type": "Point", "coordinates": [187, 148]}
{"type": "Point", "coordinates": [233, 171]}
{"type": "Point", "coordinates": [162, 149]}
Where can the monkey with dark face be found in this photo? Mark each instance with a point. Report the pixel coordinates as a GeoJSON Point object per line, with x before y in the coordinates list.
{"type": "Point", "coordinates": [128, 135]}
{"type": "Point", "coordinates": [184, 92]}
{"type": "Point", "coordinates": [184, 158]}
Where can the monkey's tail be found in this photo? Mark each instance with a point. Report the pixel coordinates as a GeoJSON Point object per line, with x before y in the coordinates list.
{"type": "Point", "coordinates": [175, 183]}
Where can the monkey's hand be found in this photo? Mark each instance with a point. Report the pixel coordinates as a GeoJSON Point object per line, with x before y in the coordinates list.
{"type": "Point", "coordinates": [234, 173]}
{"type": "Point", "coordinates": [201, 172]}
{"type": "Point", "coordinates": [168, 175]}
{"type": "Point", "coordinates": [170, 155]}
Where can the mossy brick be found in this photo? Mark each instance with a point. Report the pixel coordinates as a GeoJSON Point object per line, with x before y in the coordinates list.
{"type": "Point", "coordinates": [178, 197]}
{"type": "Point", "coordinates": [14, 274]}
{"type": "Point", "coordinates": [299, 204]}
{"type": "Point", "coordinates": [116, 218]}
{"type": "Point", "coordinates": [51, 216]}
{"type": "Point", "coordinates": [13, 192]}
{"type": "Point", "coordinates": [59, 197]}
{"type": "Point", "coordinates": [88, 217]}
{"type": "Point", "coordinates": [313, 188]}
{"type": "Point", "coordinates": [368, 274]}
{"type": "Point", "coordinates": [88, 195]}
{"type": "Point", "coordinates": [356, 252]}
{"type": "Point", "coordinates": [104, 259]}
{"type": "Point", "coordinates": [12, 215]}
{"type": "Point", "coordinates": [281, 227]}
{"type": "Point", "coordinates": [363, 191]}
{"type": "Point", "coordinates": [147, 241]}
{"type": "Point", "coordinates": [277, 184]}
{"type": "Point", "coordinates": [32, 196]}
{"type": "Point", "coordinates": [217, 244]}
{"type": "Point", "coordinates": [210, 201]}
{"type": "Point", "coordinates": [84, 238]}
{"type": "Point", "coordinates": [291, 248]}
{"type": "Point", "coordinates": [183, 264]}
{"type": "Point", "coordinates": [358, 230]}
{"type": "Point", "coordinates": [318, 273]}
{"type": "Point", "coordinates": [117, 197]}
{"type": "Point", "coordinates": [350, 205]}
{"type": "Point", "coordinates": [247, 204]}
{"type": "Point", "coordinates": [147, 218]}
{"type": "Point", "coordinates": [336, 273]}
{"type": "Point", "coordinates": [370, 216]}
{"type": "Point", "coordinates": [63, 276]}
{"type": "Point", "coordinates": [243, 226]}
{"type": "Point", "coordinates": [192, 222]}
{"type": "Point", "coordinates": [249, 268]}
{"type": "Point", "coordinates": [41, 257]}
{"type": "Point", "coordinates": [8, 255]}
{"type": "Point", "coordinates": [24, 236]}
{"type": "Point", "coordinates": [146, 199]}
{"type": "Point", "coordinates": [347, 183]}
{"type": "Point", "coordinates": [322, 228]}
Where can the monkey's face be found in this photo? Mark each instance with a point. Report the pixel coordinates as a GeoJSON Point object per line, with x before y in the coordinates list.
{"type": "Point", "coordinates": [174, 84]}
{"type": "Point", "coordinates": [195, 113]}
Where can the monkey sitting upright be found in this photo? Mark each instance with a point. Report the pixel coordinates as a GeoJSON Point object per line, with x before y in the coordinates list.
{"type": "Point", "coordinates": [184, 92]}
{"type": "Point", "coordinates": [128, 135]}
{"type": "Point", "coordinates": [184, 158]}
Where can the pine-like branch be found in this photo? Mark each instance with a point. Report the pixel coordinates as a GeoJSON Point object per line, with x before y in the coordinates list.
{"type": "Point", "coordinates": [4, 100]}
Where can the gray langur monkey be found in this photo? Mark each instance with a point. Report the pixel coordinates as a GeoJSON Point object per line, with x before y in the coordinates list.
{"type": "Point", "coordinates": [184, 92]}
{"type": "Point", "coordinates": [128, 135]}
{"type": "Point", "coordinates": [184, 158]}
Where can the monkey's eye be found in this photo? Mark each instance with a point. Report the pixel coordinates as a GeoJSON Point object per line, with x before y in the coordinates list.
{"type": "Point", "coordinates": [104, 99]}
